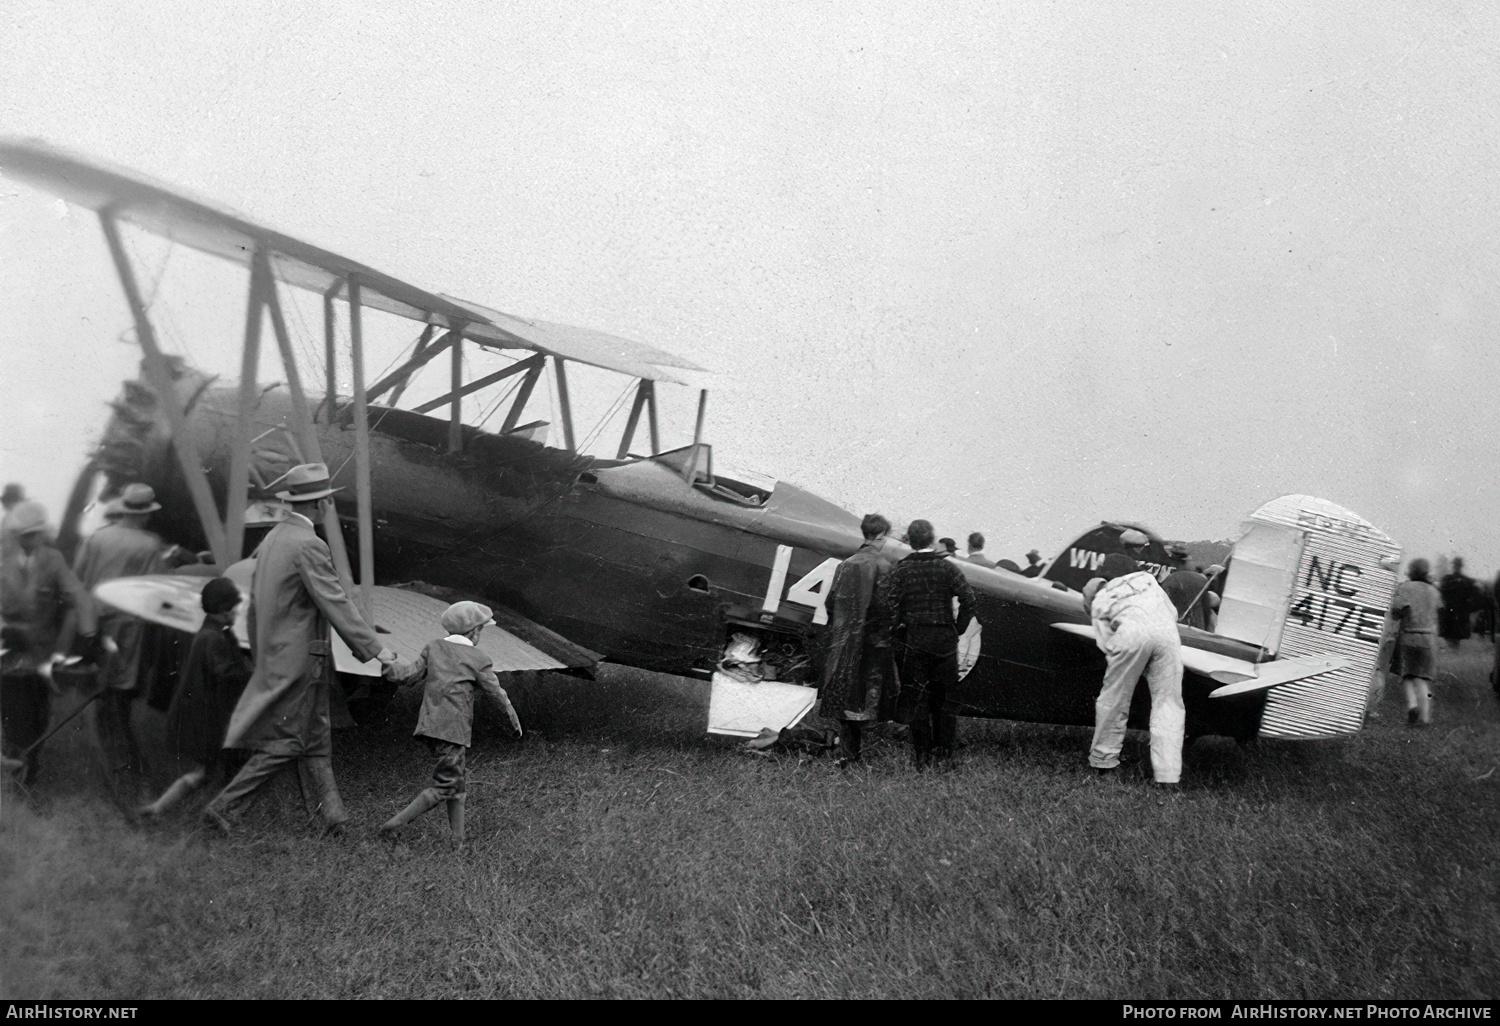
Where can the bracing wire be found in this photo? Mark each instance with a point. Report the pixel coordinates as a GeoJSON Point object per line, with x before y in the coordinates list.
{"type": "Point", "coordinates": [161, 272]}
{"type": "Point", "coordinates": [164, 319]}
{"type": "Point", "coordinates": [305, 339]}
{"type": "Point", "coordinates": [505, 394]}
{"type": "Point", "coordinates": [609, 414]}
{"type": "Point", "coordinates": [402, 355]}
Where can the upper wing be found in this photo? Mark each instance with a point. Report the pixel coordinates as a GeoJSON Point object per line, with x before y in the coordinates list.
{"type": "Point", "coordinates": [212, 228]}
{"type": "Point", "coordinates": [1239, 675]}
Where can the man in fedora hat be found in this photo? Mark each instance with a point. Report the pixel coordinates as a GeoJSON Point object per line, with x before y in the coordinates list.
{"type": "Point", "coordinates": [1033, 563]}
{"type": "Point", "coordinates": [123, 547]}
{"type": "Point", "coordinates": [283, 714]}
{"type": "Point", "coordinates": [37, 593]}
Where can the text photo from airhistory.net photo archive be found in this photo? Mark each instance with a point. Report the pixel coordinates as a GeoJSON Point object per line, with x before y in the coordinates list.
{"type": "Point", "coordinates": [792, 499]}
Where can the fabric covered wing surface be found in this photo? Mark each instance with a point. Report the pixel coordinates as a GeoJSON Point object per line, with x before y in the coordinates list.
{"type": "Point", "coordinates": [210, 227]}
{"type": "Point", "coordinates": [405, 620]}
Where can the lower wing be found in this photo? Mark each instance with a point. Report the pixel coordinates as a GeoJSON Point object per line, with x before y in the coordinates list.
{"type": "Point", "coordinates": [405, 618]}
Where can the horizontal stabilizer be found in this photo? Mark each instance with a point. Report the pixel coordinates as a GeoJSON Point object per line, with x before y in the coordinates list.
{"type": "Point", "coordinates": [1279, 671]}
{"type": "Point", "coordinates": [1238, 676]}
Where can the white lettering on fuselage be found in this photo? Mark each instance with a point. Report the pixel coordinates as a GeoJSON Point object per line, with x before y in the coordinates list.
{"type": "Point", "coordinates": [1084, 559]}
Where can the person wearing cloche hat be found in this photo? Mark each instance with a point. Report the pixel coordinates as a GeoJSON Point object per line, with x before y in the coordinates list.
{"type": "Point", "coordinates": [37, 594]}
{"type": "Point", "coordinates": [123, 547]}
{"type": "Point", "coordinates": [450, 669]}
{"type": "Point", "coordinates": [283, 714]}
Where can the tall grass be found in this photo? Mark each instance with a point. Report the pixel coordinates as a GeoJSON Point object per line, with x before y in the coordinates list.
{"type": "Point", "coordinates": [624, 855]}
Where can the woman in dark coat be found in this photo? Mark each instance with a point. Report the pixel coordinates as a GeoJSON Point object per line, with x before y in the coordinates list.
{"type": "Point", "coordinates": [212, 677]}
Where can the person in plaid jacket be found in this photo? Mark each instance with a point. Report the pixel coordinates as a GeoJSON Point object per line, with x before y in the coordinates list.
{"type": "Point", "coordinates": [919, 595]}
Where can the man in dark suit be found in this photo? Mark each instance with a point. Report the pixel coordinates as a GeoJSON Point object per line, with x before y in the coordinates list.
{"type": "Point", "coordinates": [976, 551]}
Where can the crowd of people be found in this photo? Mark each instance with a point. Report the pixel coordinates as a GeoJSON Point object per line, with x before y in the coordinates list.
{"type": "Point", "coordinates": [890, 652]}
{"type": "Point", "coordinates": [245, 717]}
{"type": "Point", "coordinates": [1422, 612]}
{"type": "Point", "coordinates": [975, 554]}
{"type": "Point", "coordinates": [901, 620]}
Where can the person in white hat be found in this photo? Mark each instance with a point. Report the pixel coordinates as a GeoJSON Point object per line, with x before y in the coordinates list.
{"type": "Point", "coordinates": [38, 594]}
{"type": "Point", "coordinates": [123, 547]}
{"type": "Point", "coordinates": [450, 669]}
{"type": "Point", "coordinates": [283, 714]}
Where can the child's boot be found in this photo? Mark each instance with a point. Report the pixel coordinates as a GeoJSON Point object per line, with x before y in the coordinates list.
{"type": "Point", "coordinates": [422, 803]}
{"type": "Point", "coordinates": [456, 817]}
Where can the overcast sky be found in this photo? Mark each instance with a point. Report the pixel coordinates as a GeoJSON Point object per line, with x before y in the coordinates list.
{"type": "Point", "coordinates": [1015, 267]}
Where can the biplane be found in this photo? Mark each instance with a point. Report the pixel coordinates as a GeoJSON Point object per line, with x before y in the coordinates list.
{"type": "Point", "coordinates": [655, 557]}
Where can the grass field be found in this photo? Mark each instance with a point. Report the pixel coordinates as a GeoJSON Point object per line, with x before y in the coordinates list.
{"type": "Point", "coordinates": [622, 854]}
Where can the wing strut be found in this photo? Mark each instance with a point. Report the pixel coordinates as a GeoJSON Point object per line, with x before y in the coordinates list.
{"type": "Point", "coordinates": [361, 458]}
{"type": "Point", "coordinates": [565, 407]}
{"type": "Point", "coordinates": [651, 415]}
{"type": "Point", "coordinates": [302, 426]}
{"type": "Point", "coordinates": [399, 376]}
{"type": "Point", "coordinates": [518, 404]}
{"type": "Point", "coordinates": [423, 341]}
{"type": "Point", "coordinates": [641, 392]}
{"type": "Point", "coordinates": [330, 352]}
{"type": "Point", "coordinates": [456, 383]}
{"type": "Point", "coordinates": [519, 367]}
{"type": "Point", "coordinates": [690, 465]}
{"type": "Point", "coordinates": [249, 398]}
{"type": "Point", "coordinates": [161, 381]}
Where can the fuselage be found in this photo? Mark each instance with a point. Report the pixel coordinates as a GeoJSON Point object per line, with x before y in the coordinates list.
{"type": "Point", "coordinates": [631, 560]}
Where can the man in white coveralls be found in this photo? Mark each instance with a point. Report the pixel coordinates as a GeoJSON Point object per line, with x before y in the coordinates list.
{"type": "Point", "coordinates": [1136, 624]}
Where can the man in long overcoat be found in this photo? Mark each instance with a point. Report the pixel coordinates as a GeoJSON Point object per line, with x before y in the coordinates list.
{"type": "Point", "coordinates": [283, 714]}
{"type": "Point", "coordinates": [857, 667]}
{"type": "Point", "coordinates": [123, 547]}
{"type": "Point", "coordinates": [1460, 599]}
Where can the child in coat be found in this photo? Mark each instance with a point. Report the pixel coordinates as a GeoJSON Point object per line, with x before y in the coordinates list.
{"type": "Point", "coordinates": [212, 677]}
{"type": "Point", "coordinates": [450, 669]}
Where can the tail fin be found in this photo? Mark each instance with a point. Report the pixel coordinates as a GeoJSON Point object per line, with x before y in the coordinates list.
{"type": "Point", "coordinates": [1080, 561]}
{"type": "Point", "coordinates": [1310, 578]}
